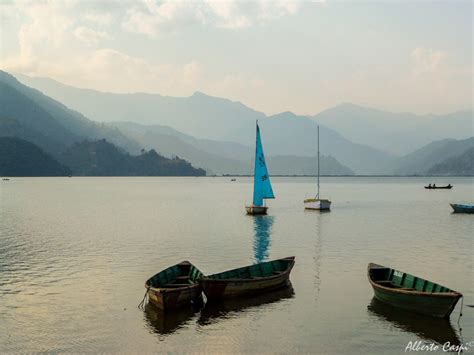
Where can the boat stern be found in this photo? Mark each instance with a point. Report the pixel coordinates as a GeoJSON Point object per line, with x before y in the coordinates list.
{"type": "Point", "coordinates": [256, 210]}
{"type": "Point", "coordinates": [317, 204]}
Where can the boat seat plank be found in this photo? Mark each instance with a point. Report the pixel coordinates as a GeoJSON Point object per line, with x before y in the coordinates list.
{"type": "Point", "coordinates": [176, 285]}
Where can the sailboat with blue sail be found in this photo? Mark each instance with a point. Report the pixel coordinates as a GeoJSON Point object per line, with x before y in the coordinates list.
{"type": "Point", "coordinates": [262, 187]}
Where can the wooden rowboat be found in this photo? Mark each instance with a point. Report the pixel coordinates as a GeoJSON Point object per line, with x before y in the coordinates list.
{"type": "Point", "coordinates": [462, 208]}
{"type": "Point", "coordinates": [448, 187]}
{"type": "Point", "coordinates": [248, 280]}
{"type": "Point", "coordinates": [411, 293]}
{"type": "Point", "coordinates": [175, 286]}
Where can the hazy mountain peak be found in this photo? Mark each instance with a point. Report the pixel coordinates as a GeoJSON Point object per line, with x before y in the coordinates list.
{"type": "Point", "coordinates": [349, 105]}
{"type": "Point", "coordinates": [200, 93]}
{"type": "Point", "coordinates": [285, 114]}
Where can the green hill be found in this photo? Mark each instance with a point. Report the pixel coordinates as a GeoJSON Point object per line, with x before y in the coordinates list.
{"type": "Point", "coordinates": [21, 158]}
{"type": "Point", "coordinates": [422, 160]}
{"type": "Point", "coordinates": [101, 158]}
{"type": "Point", "coordinates": [459, 165]}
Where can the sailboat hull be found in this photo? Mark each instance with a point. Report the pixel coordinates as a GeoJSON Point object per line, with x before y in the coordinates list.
{"type": "Point", "coordinates": [256, 210]}
{"type": "Point", "coordinates": [317, 204]}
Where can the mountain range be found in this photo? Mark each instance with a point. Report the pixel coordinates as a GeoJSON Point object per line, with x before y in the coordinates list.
{"type": "Point", "coordinates": [29, 114]}
{"type": "Point", "coordinates": [218, 134]}
{"type": "Point", "coordinates": [421, 161]}
{"type": "Point", "coordinates": [46, 129]}
{"type": "Point", "coordinates": [396, 133]}
{"type": "Point", "coordinates": [217, 119]}
{"type": "Point", "coordinates": [223, 157]}
{"type": "Point", "coordinates": [204, 116]}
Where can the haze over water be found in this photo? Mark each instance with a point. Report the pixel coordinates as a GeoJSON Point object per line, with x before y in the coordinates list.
{"type": "Point", "coordinates": [75, 253]}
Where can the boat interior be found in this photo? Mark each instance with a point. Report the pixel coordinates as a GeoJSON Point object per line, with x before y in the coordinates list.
{"type": "Point", "coordinates": [180, 275]}
{"type": "Point", "coordinates": [265, 269]}
{"type": "Point", "coordinates": [391, 278]}
{"type": "Point", "coordinates": [316, 199]}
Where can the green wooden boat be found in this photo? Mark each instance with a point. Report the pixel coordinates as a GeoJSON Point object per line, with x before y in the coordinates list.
{"type": "Point", "coordinates": [175, 286]}
{"type": "Point", "coordinates": [411, 293]}
{"type": "Point", "coordinates": [248, 280]}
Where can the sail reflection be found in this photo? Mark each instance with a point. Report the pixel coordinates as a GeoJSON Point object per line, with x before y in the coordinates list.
{"type": "Point", "coordinates": [165, 323]}
{"type": "Point", "coordinates": [230, 308]}
{"type": "Point", "coordinates": [262, 228]}
{"type": "Point", "coordinates": [438, 330]}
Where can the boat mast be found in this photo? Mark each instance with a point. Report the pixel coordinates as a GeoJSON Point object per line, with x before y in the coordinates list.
{"type": "Point", "coordinates": [255, 165]}
{"type": "Point", "coordinates": [317, 196]}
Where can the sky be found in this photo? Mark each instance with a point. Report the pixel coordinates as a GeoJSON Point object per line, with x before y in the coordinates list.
{"type": "Point", "coordinates": [273, 56]}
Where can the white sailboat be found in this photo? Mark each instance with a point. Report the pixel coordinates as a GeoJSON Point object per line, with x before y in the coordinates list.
{"type": "Point", "coordinates": [262, 187]}
{"type": "Point", "coordinates": [317, 203]}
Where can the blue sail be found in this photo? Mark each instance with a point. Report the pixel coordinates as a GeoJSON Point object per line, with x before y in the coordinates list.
{"type": "Point", "coordinates": [262, 187]}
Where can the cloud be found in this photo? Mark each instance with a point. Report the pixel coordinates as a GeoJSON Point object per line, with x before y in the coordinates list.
{"type": "Point", "coordinates": [100, 19]}
{"type": "Point", "coordinates": [108, 69]}
{"type": "Point", "coordinates": [152, 18]}
{"type": "Point", "coordinates": [90, 36]}
{"type": "Point", "coordinates": [192, 72]}
{"type": "Point", "coordinates": [46, 27]}
{"type": "Point", "coordinates": [426, 59]}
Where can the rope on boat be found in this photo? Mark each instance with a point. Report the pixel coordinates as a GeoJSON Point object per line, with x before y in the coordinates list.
{"type": "Point", "coordinates": [460, 313]}
{"type": "Point", "coordinates": [141, 305]}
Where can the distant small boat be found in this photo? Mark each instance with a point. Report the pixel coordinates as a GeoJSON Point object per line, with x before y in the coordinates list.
{"type": "Point", "coordinates": [448, 187]}
{"type": "Point", "coordinates": [248, 280]}
{"type": "Point", "coordinates": [262, 187]}
{"type": "Point", "coordinates": [175, 286]}
{"type": "Point", "coordinates": [6, 179]}
{"type": "Point", "coordinates": [317, 203]}
{"type": "Point", "coordinates": [233, 179]}
{"type": "Point", "coordinates": [462, 208]}
{"type": "Point", "coordinates": [411, 293]}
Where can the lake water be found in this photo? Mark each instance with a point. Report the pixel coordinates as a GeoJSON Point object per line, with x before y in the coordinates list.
{"type": "Point", "coordinates": [75, 253]}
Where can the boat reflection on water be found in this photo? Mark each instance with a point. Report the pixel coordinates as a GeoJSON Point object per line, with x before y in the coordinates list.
{"type": "Point", "coordinates": [165, 323]}
{"type": "Point", "coordinates": [262, 226]}
{"type": "Point", "coordinates": [231, 308]}
{"type": "Point", "coordinates": [428, 328]}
